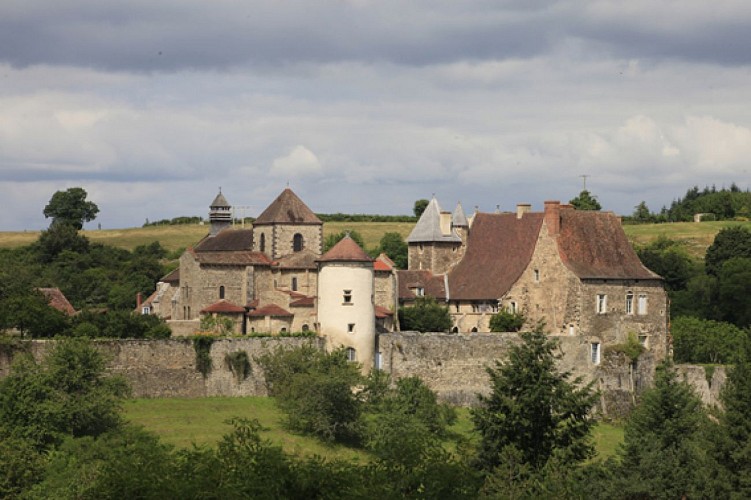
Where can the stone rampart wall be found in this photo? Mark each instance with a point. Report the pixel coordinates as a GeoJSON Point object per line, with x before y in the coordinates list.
{"type": "Point", "coordinates": [167, 368]}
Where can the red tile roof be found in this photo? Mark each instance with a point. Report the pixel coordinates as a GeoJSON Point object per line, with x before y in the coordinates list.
{"type": "Point", "coordinates": [433, 285]}
{"type": "Point", "coordinates": [223, 306]}
{"type": "Point", "coordinates": [287, 208]}
{"type": "Point", "coordinates": [346, 250]}
{"type": "Point", "coordinates": [594, 245]}
{"type": "Point", "coordinates": [499, 249]}
{"type": "Point", "coordinates": [228, 240]}
{"type": "Point", "coordinates": [270, 310]}
{"type": "Point", "coordinates": [383, 263]}
{"type": "Point", "coordinates": [173, 277]}
{"type": "Point", "coordinates": [303, 302]}
{"type": "Point", "coordinates": [382, 312]}
{"type": "Point", "coordinates": [56, 298]}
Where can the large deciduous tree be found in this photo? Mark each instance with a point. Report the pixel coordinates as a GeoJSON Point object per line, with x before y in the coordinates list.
{"type": "Point", "coordinates": [394, 246]}
{"type": "Point", "coordinates": [733, 241]}
{"type": "Point", "coordinates": [420, 206]}
{"type": "Point", "coordinates": [534, 411]}
{"type": "Point", "coordinates": [426, 315]}
{"type": "Point", "coordinates": [70, 207]}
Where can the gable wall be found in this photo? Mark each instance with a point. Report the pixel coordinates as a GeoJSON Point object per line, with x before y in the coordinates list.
{"type": "Point", "coordinates": [284, 233]}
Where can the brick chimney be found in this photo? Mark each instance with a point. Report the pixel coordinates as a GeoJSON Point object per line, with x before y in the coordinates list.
{"type": "Point", "coordinates": [139, 300]}
{"type": "Point", "coordinates": [522, 208]}
{"type": "Point", "coordinates": [553, 217]}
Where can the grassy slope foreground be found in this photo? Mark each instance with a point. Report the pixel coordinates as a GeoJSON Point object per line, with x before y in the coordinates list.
{"type": "Point", "coordinates": [203, 421]}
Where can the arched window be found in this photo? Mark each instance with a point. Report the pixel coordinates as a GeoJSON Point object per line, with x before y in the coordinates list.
{"type": "Point", "coordinates": [297, 242]}
{"type": "Point", "coordinates": [221, 292]}
{"type": "Point", "coordinates": [305, 327]}
{"type": "Point", "coordinates": [262, 243]}
{"type": "Point", "coordinates": [351, 354]}
{"type": "Point", "coordinates": [474, 329]}
{"type": "Point", "coordinates": [455, 329]}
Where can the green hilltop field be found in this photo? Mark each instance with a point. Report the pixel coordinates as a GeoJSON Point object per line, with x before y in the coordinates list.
{"type": "Point", "coordinates": [696, 237]}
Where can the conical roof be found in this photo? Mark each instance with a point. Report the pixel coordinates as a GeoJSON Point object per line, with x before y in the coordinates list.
{"type": "Point", "coordinates": [220, 201]}
{"type": "Point", "coordinates": [459, 219]}
{"type": "Point", "coordinates": [428, 228]}
{"type": "Point", "coordinates": [287, 208]}
{"type": "Point", "coordinates": [346, 250]}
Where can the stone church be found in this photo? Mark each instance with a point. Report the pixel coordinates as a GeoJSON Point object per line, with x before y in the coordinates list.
{"type": "Point", "coordinates": [573, 270]}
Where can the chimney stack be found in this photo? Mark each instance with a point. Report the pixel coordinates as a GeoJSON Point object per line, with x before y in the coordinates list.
{"type": "Point", "coordinates": [139, 300]}
{"type": "Point", "coordinates": [553, 217]}
{"type": "Point", "coordinates": [522, 208]}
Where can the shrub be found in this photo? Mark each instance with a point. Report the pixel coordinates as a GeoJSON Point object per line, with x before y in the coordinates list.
{"type": "Point", "coordinates": [506, 321]}
{"type": "Point", "coordinates": [239, 364]}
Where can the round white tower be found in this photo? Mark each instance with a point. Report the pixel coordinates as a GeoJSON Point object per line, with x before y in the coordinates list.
{"type": "Point", "coordinates": [346, 310]}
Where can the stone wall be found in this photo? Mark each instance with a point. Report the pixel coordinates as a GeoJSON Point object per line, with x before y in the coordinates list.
{"type": "Point", "coordinates": [167, 368]}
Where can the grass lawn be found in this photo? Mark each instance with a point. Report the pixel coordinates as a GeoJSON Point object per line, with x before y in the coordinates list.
{"type": "Point", "coordinates": [182, 422]}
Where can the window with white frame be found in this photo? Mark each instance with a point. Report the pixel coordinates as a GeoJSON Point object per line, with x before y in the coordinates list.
{"type": "Point", "coordinates": [629, 302]}
{"type": "Point", "coordinates": [602, 303]}
{"type": "Point", "coordinates": [642, 305]}
{"type": "Point", "coordinates": [594, 351]}
{"type": "Point", "coordinates": [512, 307]}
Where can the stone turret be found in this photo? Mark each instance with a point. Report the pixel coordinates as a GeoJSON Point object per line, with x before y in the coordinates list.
{"type": "Point", "coordinates": [433, 243]}
{"type": "Point", "coordinates": [220, 214]}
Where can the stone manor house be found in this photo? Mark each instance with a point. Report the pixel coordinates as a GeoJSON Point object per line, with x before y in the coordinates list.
{"type": "Point", "coordinates": [574, 270]}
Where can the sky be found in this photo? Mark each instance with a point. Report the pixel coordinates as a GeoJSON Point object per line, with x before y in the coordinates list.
{"type": "Point", "coordinates": [365, 106]}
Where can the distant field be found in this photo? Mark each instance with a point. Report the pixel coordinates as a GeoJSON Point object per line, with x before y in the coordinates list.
{"type": "Point", "coordinates": [696, 237]}
{"type": "Point", "coordinates": [182, 422]}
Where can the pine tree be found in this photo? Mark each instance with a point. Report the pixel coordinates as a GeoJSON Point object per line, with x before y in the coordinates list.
{"type": "Point", "coordinates": [534, 411]}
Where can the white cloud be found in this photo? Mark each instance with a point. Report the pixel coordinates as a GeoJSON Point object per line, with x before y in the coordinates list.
{"type": "Point", "coordinates": [300, 162]}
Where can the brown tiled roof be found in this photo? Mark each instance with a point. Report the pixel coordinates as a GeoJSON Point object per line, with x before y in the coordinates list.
{"type": "Point", "coordinates": [238, 258]}
{"type": "Point", "coordinates": [594, 245]}
{"type": "Point", "coordinates": [346, 250]}
{"type": "Point", "coordinates": [223, 306]}
{"type": "Point", "coordinates": [56, 298]}
{"type": "Point", "coordinates": [173, 277]}
{"type": "Point", "coordinates": [304, 259]}
{"type": "Point", "coordinates": [499, 248]}
{"type": "Point", "coordinates": [270, 310]}
{"type": "Point", "coordinates": [229, 240]}
{"type": "Point", "coordinates": [382, 312]}
{"type": "Point", "coordinates": [287, 208]}
{"type": "Point", "coordinates": [303, 302]}
{"type": "Point", "coordinates": [433, 285]}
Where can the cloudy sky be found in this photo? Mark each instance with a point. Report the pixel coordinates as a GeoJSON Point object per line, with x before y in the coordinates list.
{"type": "Point", "coordinates": [364, 106]}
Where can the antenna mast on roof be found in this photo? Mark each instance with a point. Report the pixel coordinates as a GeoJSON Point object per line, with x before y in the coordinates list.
{"type": "Point", "coordinates": [584, 181]}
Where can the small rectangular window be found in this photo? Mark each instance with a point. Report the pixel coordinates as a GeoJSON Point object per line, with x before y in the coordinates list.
{"type": "Point", "coordinates": [537, 275]}
{"type": "Point", "coordinates": [347, 296]}
{"type": "Point", "coordinates": [644, 341]}
{"type": "Point", "coordinates": [629, 303]}
{"type": "Point", "coordinates": [351, 354]}
{"type": "Point", "coordinates": [602, 303]}
{"type": "Point", "coordinates": [595, 352]}
{"type": "Point", "coordinates": [512, 307]}
{"type": "Point", "coordinates": [642, 303]}
{"type": "Point", "coordinates": [351, 328]}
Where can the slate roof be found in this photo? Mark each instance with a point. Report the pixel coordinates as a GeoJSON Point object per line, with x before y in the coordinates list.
{"type": "Point", "coordinates": [433, 285]}
{"type": "Point", "coordinates": [223, 306]}
{"type": "Point", "coordinates": [287, 208]}
{"type": "Point", "coordinates": [499, 249]}
{"type": "Point", "coordinates": [270, 310]}
{"type": "Point", "coordinates": [347, 250]}
{"type": "Point", "coordinates": [58, 300]}
{"type": "Point", "coordinates": [459, 219]}
{"type": "Point", "coordinates": [428, 227]}
{"type": "Point", "coordinates": [594, 245]}
{"type": "Point", "coordinates": [220, 202]}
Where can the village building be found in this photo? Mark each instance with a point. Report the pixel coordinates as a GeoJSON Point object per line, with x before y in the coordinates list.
{"type": "Point", "coordinates": [572, 270]}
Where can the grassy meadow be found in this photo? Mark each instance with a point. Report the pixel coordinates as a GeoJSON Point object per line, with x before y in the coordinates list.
{"type": "Point", "coordinates": [695, 237]}
{"type": "Point", "coordinates": [203, 421]}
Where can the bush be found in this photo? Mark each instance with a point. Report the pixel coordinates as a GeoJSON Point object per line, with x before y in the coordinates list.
{"type": "Point", "coordinates": [506, 321]}
{"type": "Point", "coordinates": [426, 315]}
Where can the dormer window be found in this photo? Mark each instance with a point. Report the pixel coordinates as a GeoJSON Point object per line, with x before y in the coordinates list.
{"type": "Point", "coordinates": [419, 291]}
